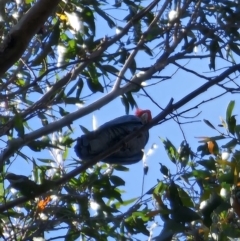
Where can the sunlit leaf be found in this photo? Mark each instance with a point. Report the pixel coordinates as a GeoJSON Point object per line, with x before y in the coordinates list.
{"type": "Point", "coordinates": [125, 202]}
{"type": "Point", "coordinates": [63, 17]}
{"type": "Point", "coordinates": [170, 149]}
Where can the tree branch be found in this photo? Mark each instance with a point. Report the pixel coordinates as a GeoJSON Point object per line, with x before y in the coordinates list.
{"type": "Point", "coordinates": [22, 33]}
{"type": "Point", "coordinates": [138, 47]}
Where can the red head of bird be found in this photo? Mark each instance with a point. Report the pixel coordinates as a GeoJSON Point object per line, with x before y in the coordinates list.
{"type": "Point", "coordinates": [144, 115]}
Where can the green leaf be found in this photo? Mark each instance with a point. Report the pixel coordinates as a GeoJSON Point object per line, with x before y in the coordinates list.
{"type": "Point", "coordinates": [62, 111]}
{"type": "Point", "coordinates": [111, 194]}
{"type": "Point", "coordinates": [133, 67]}
{"type": "Point", "coordinates": [80, 85]}
{"type": "Point", "coordinates": [2, 190]}
{"type": "Point", "coordinates": [55, 35]}
{"type": "Point", "coordinates": [121, 168]}
{"type": "Point", "coordinates": [65, 153]}
{"type": "Point", "coordinates": [231, 144]}
{"type": "Point", "coordinates": [72, 101]}
{"type": "Point", "coordinates": [18, 125]}
{"type": "Point", "coordinates": [43, 119]}
{"type": "Point", "coordinates": [230, 231]}
{"type": "Point", "coordinates": [164, 170]}
{"type": "Point", "coordinates": [185, 198]}
{"type": "Point", "coordinates": [209, 164]}
{"type": "Point", "coordinates": [132, 12]}
{"type": "Point", "coordinates": [20, 82]}
{"type": "Point", "coordinates": [234, 47]}
{"type": "Point", "coordinates": [147, 50]}
{"type": "Point", "coordinates": [103, 14]}
{"type": "Point", "coordinates": [123, 56]}
{"type": "Point", "coordinates": [125, 203]}
{"type": "Point", "coordinates": [159, 188]}
{"type": "Point", "coordinates": [174, 226]}
{"type": "Point", "coordinates": [184, 214]}
{"type": "Point", "coordinates": [201, 174]}
{"type": "Point", "coordinates": [170, 149]}
{"type": "Point", "coordinates": [170, 227]}
{"type": "Point", "coordinates": [173, 195]}
{"type": "Point", "coordinates": [140, 214]}
{"type": "Point", "coordinates": [42, 56]}
{"type": "Point", "coordinates": [231, 124]}
{"type": "Point", "coordinates": [213, 48]}
{"type": "Point", "coordinates": [72, 44]}
{"type": "Point", "coordinates": [213, 202]}
{"type": "Point", "coordinates": [129, 201]}
{"type": "Point", "coordinates": [229, 110]}
{"type": "Point", "coordinates": [45, 160]}
{"type": "Point", "coordinates": [226, 178]}
{"type": "Point", "coordinates": [237, 131]}
{"type": "Point", "coordinates": [71, 234]}
{"type": "Point", "coordinates": [131, 100]}
{"type": "Point", "coordinates": [88, 18]}
{"type": "Point", "coordinates": [125, 103]}
{"type": "Point", "coordinates": [92, 72]}
{"type": "Point", "coordinates": [209, 124]}
{"type": "Point", "coordinates": [135, 223]}
{"type": "Point", "coordinates": [109, 68]}
{"type": "Point", "coordinates": [154, 33]}
{"type": "Point", "coordinates": [67, 141]}
{"type": "Point", "coordinates": [149, 17]}
{"type": "Point", "coordinates": [35, 171]}
{"type": "Point", "coordinates": [117, 181]}
{"type": "Point", "coordinates": [40, 145]}
{"type": "Point", "coordinates": [94, 85]}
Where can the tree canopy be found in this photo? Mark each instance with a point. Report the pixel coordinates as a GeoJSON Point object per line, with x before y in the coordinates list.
{"type": "Point", "coordinates": [63, 60]}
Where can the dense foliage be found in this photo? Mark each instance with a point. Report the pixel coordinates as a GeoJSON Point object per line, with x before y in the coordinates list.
{"type": "Point", "coordinates": [62, 60]}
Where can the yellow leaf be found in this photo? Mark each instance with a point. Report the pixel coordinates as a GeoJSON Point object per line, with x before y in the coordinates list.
{"type": "Point", "coordinates": [63, 17]}
{"type": "Point", "coordinates": [43, 203]}
{"type": "Point", "coordinates": [236, 174]}
{"type": "Point", "coordinates": [212, 147]}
